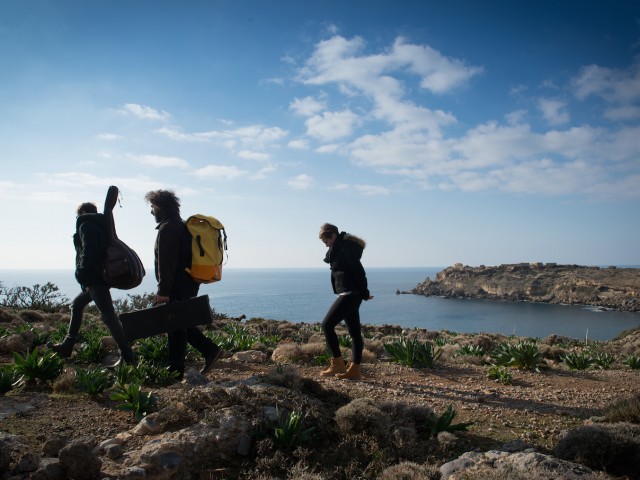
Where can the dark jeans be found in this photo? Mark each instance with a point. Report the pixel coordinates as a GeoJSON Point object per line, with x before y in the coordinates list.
{"type": "Point", "coordinates": [347, 308]}
{"type": "Point", "coordinates": [101, 296]}
{"type": "Point", "coordinates": [178, 342]}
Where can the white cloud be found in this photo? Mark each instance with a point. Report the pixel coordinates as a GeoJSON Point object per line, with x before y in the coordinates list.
{"type": "Point", "coordinates": [300, 182]}
{"type": "Point", "coordinates": [372, 190]}
{"type": "Point", "coordinates": [622, 113]}
{"type": "Point", "coordinates": [249, 155]}
{"type": "Point", "coordinates": [330, 126]}
{"type": "Point", "coordinates": [144, 112]}
{"type": "Point", "coordinates": [617, 86]}
{"type": "Point", "coordinates": [228, 172]}
{"type": "Point", "coordinates": [264, 172]}
{"type": "Point", "coordinates": [300, 144]}
{"type": "Point", "coordinates": [339, 186]}
{"type": "Point", "coordinates": [109, 136]}
{"type": "Point", "coordinates": [253, 136]}
{"type": "Point", "coordinates": [553, 111]}
{"type": "Point", "coordinates": [159, 161]}
{"type": "Point", "coordinates": [329, 148]}
{"type": "Point", "coordinates": [307, 106]}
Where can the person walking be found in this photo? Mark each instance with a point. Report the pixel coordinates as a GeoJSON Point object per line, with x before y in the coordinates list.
{"type": "Point", "coordinates": [90, 241]}
{"type": "Point", "coordinates": [172, 254]}
{"type": "Point", "coordinates": [349, 282]}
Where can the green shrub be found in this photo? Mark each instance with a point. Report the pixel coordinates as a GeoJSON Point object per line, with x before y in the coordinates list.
{"type": "Point", "coordinates": [233, 338]}
{"type": "Point", "coordinates": [132, 398]}
{"type": "Point", "coordinates": [154, 349]}
{"type": "Point", "coordinates": [632, 361]}
{"type": "Point", "coordinates": [578, 360]}
{"type": "Point", "coordinates": [33, 366]}
{"type": "Point", "coordinates": [500, 374]}
{"type": "Point", "coordinates": [443, 423]}
{"type": "Point", "coordinates": [603, 360]}
{"type": "Point", "coordinates": [90, 350]}
{"type": "Point", "coordinates": [7, 378]}
{"type": "Point", "coordinates": [288, 430]}
{"type": "Point", "coordinates": [524, 355]}
{"type": "Point", "coordinates": [125, 374]}
{"type": "Point", "coordinates": [134, 302]}
{"type": "Point", "coordinates": [473, 350]}
{"type": "Point", "coordinates": [93, 381]}
{"type": "Point", "coordinates": [154, 373]}
{"type": "Point", "coordinates": [345, 341]}
{"type": "Point", "coordinates": [45, 297]}
{"type": "Point", "coordinates": [412, 353]}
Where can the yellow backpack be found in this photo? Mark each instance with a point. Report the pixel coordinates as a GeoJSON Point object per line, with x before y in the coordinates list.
{"type": "Point", "coordinates": [208, 247]}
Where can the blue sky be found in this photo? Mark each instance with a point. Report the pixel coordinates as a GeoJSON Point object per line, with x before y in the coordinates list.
{"type": "Point", "coordinates": [481, 132]}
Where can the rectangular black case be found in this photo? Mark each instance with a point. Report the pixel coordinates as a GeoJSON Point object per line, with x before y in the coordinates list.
{"type": "Point", "coordinates": [167, 317]}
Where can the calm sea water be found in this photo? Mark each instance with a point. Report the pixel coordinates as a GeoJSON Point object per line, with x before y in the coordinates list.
{"type": "Point", "coordinates": [304, 295]}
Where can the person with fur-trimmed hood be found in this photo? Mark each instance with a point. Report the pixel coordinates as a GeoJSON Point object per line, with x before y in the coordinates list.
{"type": "Point", "coordinates": [349, 282]}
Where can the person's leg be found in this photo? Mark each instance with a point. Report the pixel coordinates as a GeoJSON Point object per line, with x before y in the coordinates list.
{"type": "Point", "coordinates": [355, 331]}
{"type": "Point", "coordinates": [337, 312]}
{"type": "Point", "coordinates": [79, 303]}
{"type": "Point", "coordinates": [177, 351]}
{"type": "Point", "coordinates": [352, 319]}
{"type": "Point", "coordinates": [101, 296]}
{"type": "Point", "coordinates": [209, 350]}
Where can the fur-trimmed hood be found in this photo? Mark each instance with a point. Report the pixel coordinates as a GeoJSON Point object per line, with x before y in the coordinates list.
{"type": "Point", "coordinates": [357, 240]}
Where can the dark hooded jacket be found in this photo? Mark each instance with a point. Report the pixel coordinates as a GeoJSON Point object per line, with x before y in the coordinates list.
{"type": "Point", "coordinates": [90, 242]}
{"type": "Point", "coordinates": [347, 273]}
{"type": "Point", "coordinates": [172, 254]}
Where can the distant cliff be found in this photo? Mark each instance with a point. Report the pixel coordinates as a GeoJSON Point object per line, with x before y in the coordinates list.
{"type": "Point", "coordinates": [613, 288]}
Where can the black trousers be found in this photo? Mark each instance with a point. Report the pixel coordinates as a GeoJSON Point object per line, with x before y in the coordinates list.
{"type": "Point", "coordinates": [101, 296]}
{"type": "Point", "coordinates": [347, 308]}
{"type": "Point", "coordinates": [178, 339]}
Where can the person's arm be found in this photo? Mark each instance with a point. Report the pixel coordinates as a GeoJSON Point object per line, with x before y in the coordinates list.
{"type": "Point", "coordinates": [90, 255]}
{"type": "Point", "coordinates": [168, 259]}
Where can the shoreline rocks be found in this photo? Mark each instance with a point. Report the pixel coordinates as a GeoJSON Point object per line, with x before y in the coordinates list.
{"type": "Point", "coordinates": [608, 288]}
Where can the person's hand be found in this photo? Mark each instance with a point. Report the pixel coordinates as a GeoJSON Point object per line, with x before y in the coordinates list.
{"type": "Point", "coordinates": [162, 299]}
{"type": "Point", "coordinates": [370, 297]}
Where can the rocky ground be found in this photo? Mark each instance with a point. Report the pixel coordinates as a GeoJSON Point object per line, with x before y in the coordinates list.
{"type": "Point", "coordinates": [532, 412]}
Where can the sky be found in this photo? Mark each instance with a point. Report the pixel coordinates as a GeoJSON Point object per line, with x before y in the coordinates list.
{"type": "Point", "coordinates": [479, 132]}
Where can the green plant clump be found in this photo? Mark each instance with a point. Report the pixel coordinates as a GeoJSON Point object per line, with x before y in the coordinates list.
{"type": "Point", "coordinates": [413, 353]}
{"type": "Point", "coordinates": [39, 297]}
{"type": "Point", "coordinates": [578, 360]}
{"type": "Point", "coordinates": [500, 374]}
{"type": "Point", "coordinates": [444, 423]}
{"type": "Point", "coordinates": [523, 355]}
{"type": "Point", "coordinates": [7, 378]}
{"type": "Point", "coordinates": [33, 366]}
{"type": "Point", "coordinates": [473, 350]}
{"type": "Point", "coordinates": [132, 398]}
{"type": "Point", "coordinates": [632, 361]}
{"type": "Point", "coordinates": [288, 432]}
{"type": "Point", "coordinates": [93, 381]}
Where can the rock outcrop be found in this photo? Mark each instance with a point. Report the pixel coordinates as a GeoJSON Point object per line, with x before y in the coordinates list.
{"type": "Point", "coordinates": [610, 288]}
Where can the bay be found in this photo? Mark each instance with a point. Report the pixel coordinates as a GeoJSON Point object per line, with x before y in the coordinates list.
{"type": "Point", "coordinates": [304, 295]}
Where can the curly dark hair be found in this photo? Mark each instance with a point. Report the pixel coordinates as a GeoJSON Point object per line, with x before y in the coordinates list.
{"type": "Point", "coordinates": [165, 200]}
{"type": "Point", "coordinates": [86, 207]}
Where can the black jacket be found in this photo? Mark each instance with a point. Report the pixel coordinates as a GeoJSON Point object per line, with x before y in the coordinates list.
{"type": "Point", "coordinates": [172, 254]}
{"type": "Point", "coordinates": [347, 273]}
{"type": "Point", "coordinates": [90, 242]}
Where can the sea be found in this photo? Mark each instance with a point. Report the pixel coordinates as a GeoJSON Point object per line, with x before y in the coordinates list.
{"type": "Point", "coordinates": [304, 295]}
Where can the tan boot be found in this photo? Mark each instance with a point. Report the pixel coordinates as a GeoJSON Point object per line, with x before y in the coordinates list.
{"type": "Point", "coordinates": [352, 373]}
{"type": "Point", "coordinates": [337, 366]}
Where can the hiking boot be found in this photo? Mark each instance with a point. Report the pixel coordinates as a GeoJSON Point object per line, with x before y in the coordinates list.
{"type": "Point", "coordinates": [352, 373]}
{"type": "Point", "coordinates": [64, 348]}
{"type": "Point", "coordinates": [209, 360]}
{"type": "Point", "coordinates": [337, 366]}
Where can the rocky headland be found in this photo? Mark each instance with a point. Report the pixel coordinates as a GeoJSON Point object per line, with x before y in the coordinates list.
{"type": "Point", "coordinates": [609, 288]}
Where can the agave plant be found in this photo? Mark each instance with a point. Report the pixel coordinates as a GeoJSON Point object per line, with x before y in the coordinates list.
{"type": "Point", "coordinates": [524, 355]}
{"type": "Point", "coordinates": [33, 366]}
{"type": "Point", "coordinates": [413, 353]}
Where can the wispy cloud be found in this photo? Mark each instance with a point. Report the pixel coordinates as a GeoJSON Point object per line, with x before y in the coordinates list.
{"type": "Point", "coordinates": [553, 111]}
{"type": "Point", "coordinates": [228, 172]}
{"type": "Point", "coordinates": [145, 112]}
{"type": "Point", "coordinates": [300, 182]}
{"type": "Point", "coordinates": [159, 161]}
